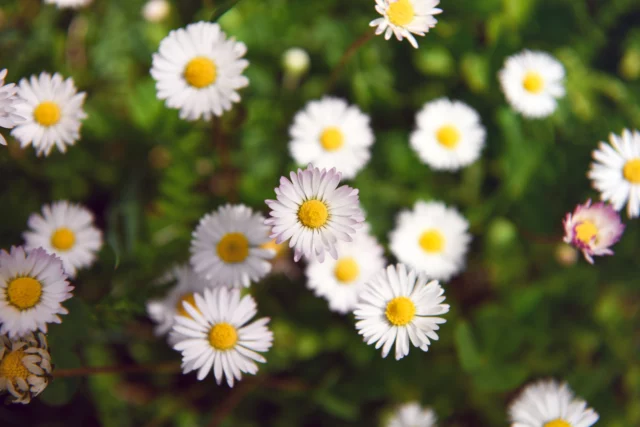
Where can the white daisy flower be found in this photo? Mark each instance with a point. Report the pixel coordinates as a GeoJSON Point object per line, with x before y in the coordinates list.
{"type": "Point", "coordinates": [216, 338]}
{"type": "Point", "coordinates": [399, 306]}
{"type": "Point", "coordinates": [412, 415]}
{"type": "Point", "coordinates": [163, 311]}
{"type": "Point", "coordinates": [8, 103]}
{"type": "Point", "coordinates": [198, 70]}
{"type": "Point", "coordinates": [226, 247]}
{"type": "Point", "coordinates": [616, 171]}
{"type": "Point", "coordinates": [53, 108]}
{"type": "Point", "coordinates": [532, 81]}
{"type": "Point", "coordinates": [331, 133]}
{"type": "Point", "coordinates": [67, 231]}
{"type": "Point", "coordinates": [156, 10]}
{"type": "Point", "coordinates": [32, 286]}
{"type": "Point", "coordinates": [314, 212]}
{"type": "Point", "coordinates": [403, 17]}
{"type": "Point", "coordinates": [549, 404]}
{"type": "Point", "coordinates": [432, 238]}
{"type": "Point", "coordinates": [72, 4]}
{"type": "Point", "coordinates": [341, 281]}
{"type": "Point", "coordinates": [25, 367]}
{"type": "Point", "coordinates": [449, 134]}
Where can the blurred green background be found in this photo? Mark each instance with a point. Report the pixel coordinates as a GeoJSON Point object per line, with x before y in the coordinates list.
{"type": "Point", "coordinates": [524, 308]}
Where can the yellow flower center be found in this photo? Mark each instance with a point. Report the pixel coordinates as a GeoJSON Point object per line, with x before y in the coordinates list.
{"type": "Point", "coordinates": [63, 239]}
{"type": "Point", "coordinates": [12, 367]}
{"type": "Point", "coordinates": [233, 247]}
{"type": "Point", "coordinates": [401, 13]}
{"type": "Point", "coordinates": [331, 139]}
{"type": "Point", "coordinates": [188, 298]}
{"type": "Point", "coordinates": [313, 214]}
{"type": "Point", "coordinates": [200, 72]}
{"type": "Point", "coordinates": [400, 311]}
{"type": "Point", "coordinates": [346, 270]}
{"type": "Point", "coordinates": [585, 231]}
{"type": "Point", "coordinates": [557, 423]}
{"type": "Point", "coordinates": [533, 82]}
{"type": "Point", "coordinates": [448, 136]}
{"type": "Point", "coordinates": [631, 171]}
{"type": "Point", "coordinates": [432, 241]}
{"type": "Point", "coordinates": [24, 292]}
{"type": "Point", "coordinates": [47, 113]}
{"type": "Point", "coordinates": [223, 336]}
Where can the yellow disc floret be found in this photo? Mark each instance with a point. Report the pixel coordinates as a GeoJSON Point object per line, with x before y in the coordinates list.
{"type": "Point", "coordinates": [401, 13]}
{"type": "Point", "coordinates": [400, 311]}
{"type": "Point", "coordinates": [557, 423]}
{"type": "Point", "coordinates": [313, 214]}
{"type": "Point", "coordinates": [223, 336]}
{"type": "Point", "coordinates": [346, 270]}
{"type": "Point", "coordinates": [63, 239]}
{"type": "Point", "coordinates": [432, 241]}
{"type": "Point", "coordinates": [24, 292]}
{"type": "Point", "coordinates": [233, 247]}
{"type": "Point", "coordinates": [331, 139]}
{"type": "Point", "coordinates": [189, 299]}
{"type": "Point", "coordinates": [631, 171]}
{"type": "Point", "coordinates": [586, 231]}
{"type": "Point", "coordinates": [47, 113]}
{"type": "Point", "coordinates": [533, 82]}
{"type": "Point", "coordinates": [11, 366]}
{"type": "Point", "coordinates": [200, 72]}
{"type": "Point", "coordinates": [448, 136]}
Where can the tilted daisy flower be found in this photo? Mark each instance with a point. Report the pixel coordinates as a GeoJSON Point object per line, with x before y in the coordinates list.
{"type": "Point", "coordinates": [25, 367]}
{"type": "Point", "coordinates": [8, 102]}
{"type": "Point", "coordinates": [616, 171]}
{"type": "Point", "coordinates": [163, 311]}
{"type": "Point", "coordinates": [532, 82]}
{"type": "Point", "coordinates": [217, 338]}
{"type": "Point", "coordinates": [71, 4]}
{"type": "Point", "coordinates": [549, 404]}
{"type": "Point", "coordinates": [449, 134]}
{"type": "Point", "coordinates": [67, 231]}
{"type": "Point", "coordinates": [341, 281]}
{"type": "Point", "coordinates": [412, 415]}
{"type": "Point", "coordinates": [314, 212]}
{"type": "Point", "coordinates": [53, 110]}
{"type": "Point", "coordinates": [404, 17]}
{"type": "Point", "coordinates": [398, 305]}
{"type": "Point", "coordinates": [226, 246]}
{"type": "Point", "coordinates": [198, 70]}
{"type": "Point", "coordinates": [32, 286]}
{"type": "Point", "coordinates": [432, 238]}
{"type": "Point", "coordinates": [593, 229]}
{"type": "Point", "coordinates": [331, 133]}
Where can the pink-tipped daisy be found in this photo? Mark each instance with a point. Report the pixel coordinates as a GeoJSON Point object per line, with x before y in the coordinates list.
{"type": "Point", "coordinates": [593, 229]}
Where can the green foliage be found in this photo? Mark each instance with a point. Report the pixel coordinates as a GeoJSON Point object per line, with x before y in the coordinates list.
{"type": "Point", "coordinates": [521, 311]}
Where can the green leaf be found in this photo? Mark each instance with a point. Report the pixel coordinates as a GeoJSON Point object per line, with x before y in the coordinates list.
{"type": "Point", "coordinates": [468, 352]}
{"type": "Point", "coordinates": [223, 8]}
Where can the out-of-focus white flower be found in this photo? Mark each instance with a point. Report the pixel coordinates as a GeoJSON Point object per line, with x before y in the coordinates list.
{"type": "Point", "coordinates": [156, 10]}
{"type": "Point", "coordinates": [532, 82]}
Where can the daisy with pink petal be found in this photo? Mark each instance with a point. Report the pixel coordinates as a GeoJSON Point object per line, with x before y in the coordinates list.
{"type": "Point", "coordinates": [593, 229]}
